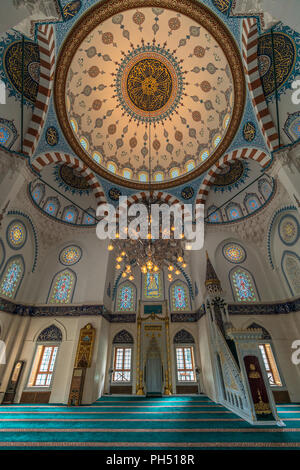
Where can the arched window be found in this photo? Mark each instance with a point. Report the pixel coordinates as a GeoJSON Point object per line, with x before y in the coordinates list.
{"type": "Point", "coordinates": [184, 354]}
{"type": "Point", "coordinates": [252, 203]}
{"type": "Point", "coordinates": [292, 126]}
{"type": "Point", "coordinates": [70, 214]}
{"type": "Point", "coordinates": [290, 265]}
{"type": "Point", "coordinates": [179, 297]}
{"type": "Point", "coordinates": [122, 357]}
{"type": "Point", "coordinates": [126, 297]}
{"type": "Point", "coordinates": [265, 188]}
{"type": "Point", "coordinates": [8, 131]}
{"type": "Point", "coordinates": [233, 211]}
{"type": "Point", "coordinates": [152, 285]}
{"type": "Point", "coordinates": [243, 286]}
{"type": "Point", "coordinates": [214, 215]}
{"type": "Point", "coordinates": [89, 217]}
{"type": "Point", "coordinates": [268, 357]}
{"type": "Point", "coordinates": [38, 193]}
{"type": "Point", "coordinates": [62, 287]}
{"type": "Point", "coordinates": [43, 366]}
{"type": "Point", "coordinates": [52, 206]}
{"type": "Point", "coordinates": [12, 277]}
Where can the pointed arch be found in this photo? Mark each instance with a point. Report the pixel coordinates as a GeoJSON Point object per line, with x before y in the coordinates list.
{"type": "Point", "coordinates": [123, 337]}
{"type": "Point", "coordinates": [62, 287]}
{"type": "Point", "coordinates": [50, 333]}
{"type": "Point", "coordinates": [46, 42]}
{"type": "Point", "coordinates": [59, 157]}
{"type": "Point", "coordinates": [179, 296]}
{"type": "Point", "coordinates": [243, 285]}
{"type": "Point", "coordinates": [249, 52]}
{"type": "Point", "coordinates": [183, 336]}
{"type": "Point", "coordinates": [266, 334]}
{"type": "Point", "coordinates": [258, 155]}
{"type": "Point", "coordinates": [12, 276]}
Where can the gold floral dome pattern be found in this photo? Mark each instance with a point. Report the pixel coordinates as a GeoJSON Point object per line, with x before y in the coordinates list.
{"type": "Point", "coordinates": [135, 80]}
{"type": "Point", "coordinates": [149, 84]}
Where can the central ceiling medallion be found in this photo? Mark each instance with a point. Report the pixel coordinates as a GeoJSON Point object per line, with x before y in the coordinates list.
{"type": "Point", "coordinates": [149, 92]}
{"type": "Point", "coordinates": [149, 83]}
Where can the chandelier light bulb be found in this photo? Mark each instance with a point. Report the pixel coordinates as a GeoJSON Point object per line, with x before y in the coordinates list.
{"type": "Point", "coordinates": [123, 253]}
{"type": "Point", "coordinates": [171, 267]}
{"type": "Point", "coordinates": [131, 278]}
{"type": "Point", "coordinates": [110, 247]}
{"type": "Point", "coordinates": [177, 272]}
{"type": "Point", "coordinates": [124, 274]}
{"type": "Point", "coordinates": [144, 269]}
{"type": "Point", "coordinates": [118, 266]}
{"type": "Point", "coordinates": [170, 277]}
{"type": "Point", "coordinates": [155, 268]}
{"type": "Point", "coordinates": [117, 235]}
{"type": "Point", "coordinates": [128, 268]}
{"type": "Point", "coordinates": [119, 259]}
{"type": "Point", "coordinates": [184, 265]}
{"type": "Point", "coordinates": [180, 259]}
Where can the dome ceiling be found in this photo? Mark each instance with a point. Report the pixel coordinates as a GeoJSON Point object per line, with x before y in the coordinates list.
{"type": "Point", "coordinates": [149, 82]}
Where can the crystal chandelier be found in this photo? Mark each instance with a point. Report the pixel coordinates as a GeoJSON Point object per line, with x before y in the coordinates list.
{"type": "Point", "coordinates": [151, 254]}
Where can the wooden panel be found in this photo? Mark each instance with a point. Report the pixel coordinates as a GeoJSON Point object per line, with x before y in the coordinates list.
{"type": "Point", "coordinates": [281, 396]}
{"type": "Point", "coordinates": [35, 397]}
{"type": "Point", "coordinates": [121, 389]}
{"type": "Point", "coordinates": [187, 389]}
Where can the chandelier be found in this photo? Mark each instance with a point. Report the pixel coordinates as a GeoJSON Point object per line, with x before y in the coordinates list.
{"type": "Point", "coordinates": [149, 254]}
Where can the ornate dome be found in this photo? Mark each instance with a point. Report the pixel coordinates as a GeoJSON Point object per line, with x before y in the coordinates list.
{"type": "Point", "coordinates": [126, 89]}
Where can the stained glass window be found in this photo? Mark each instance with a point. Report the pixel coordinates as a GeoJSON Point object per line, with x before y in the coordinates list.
{"type": "Point", "coordinates": [152, 285]}
{"type": "Point", "coordinates": [243, 286]}
{"type": "Point", "coordinates": [62, 287]}
{"type": "Point", "coordinates": [12, 277]}
{"type": "Point", "coordinates": [88, 217]}
{"type": "Point", "coordinates": [234, 252]}
{"type": "Point", "coordinates": [4, 135]}
{"type": "Point", "coordinates": [51, 206]}
{"type": "Point", "coordinates": [233, 211]}
{"type": "Point", "coordinates": [16, 234]}
{"type": "Point", "coordinates": [288, 230]}
{"type": "Point", "coordinates": [70, 255]}
{"type": "Point", "coordinates": [70, 214]}
{"type": "Point", "coordinates": [264, 188]}
{"type": "Point", "coordinates": [126, 297]}
{"type": "Point", "coordinates": [38, 193]}
{"type": "Point", "coordinates": [179, 296]}
{"type": "Point", "coordinates": [252, 203]}
{"type": "Point", "coordinates": [214, 214]}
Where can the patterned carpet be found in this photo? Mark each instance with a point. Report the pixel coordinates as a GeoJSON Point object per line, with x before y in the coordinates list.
{"type": "Point", "coordinates": [117, 423]}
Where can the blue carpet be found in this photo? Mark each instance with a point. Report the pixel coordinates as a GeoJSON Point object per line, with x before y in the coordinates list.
{"type": "Point", "coordinates": [116, 423]}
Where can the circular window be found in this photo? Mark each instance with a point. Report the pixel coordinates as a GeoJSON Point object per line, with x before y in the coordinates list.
{"type": "Point", "coordinates": [234, 253]}
{"type": "Point", "coordinates": [288, 230]}
{"type": "Point", "coordinates": [70, 255]}
{"type": "Point", "coordinates": [16, 234]}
